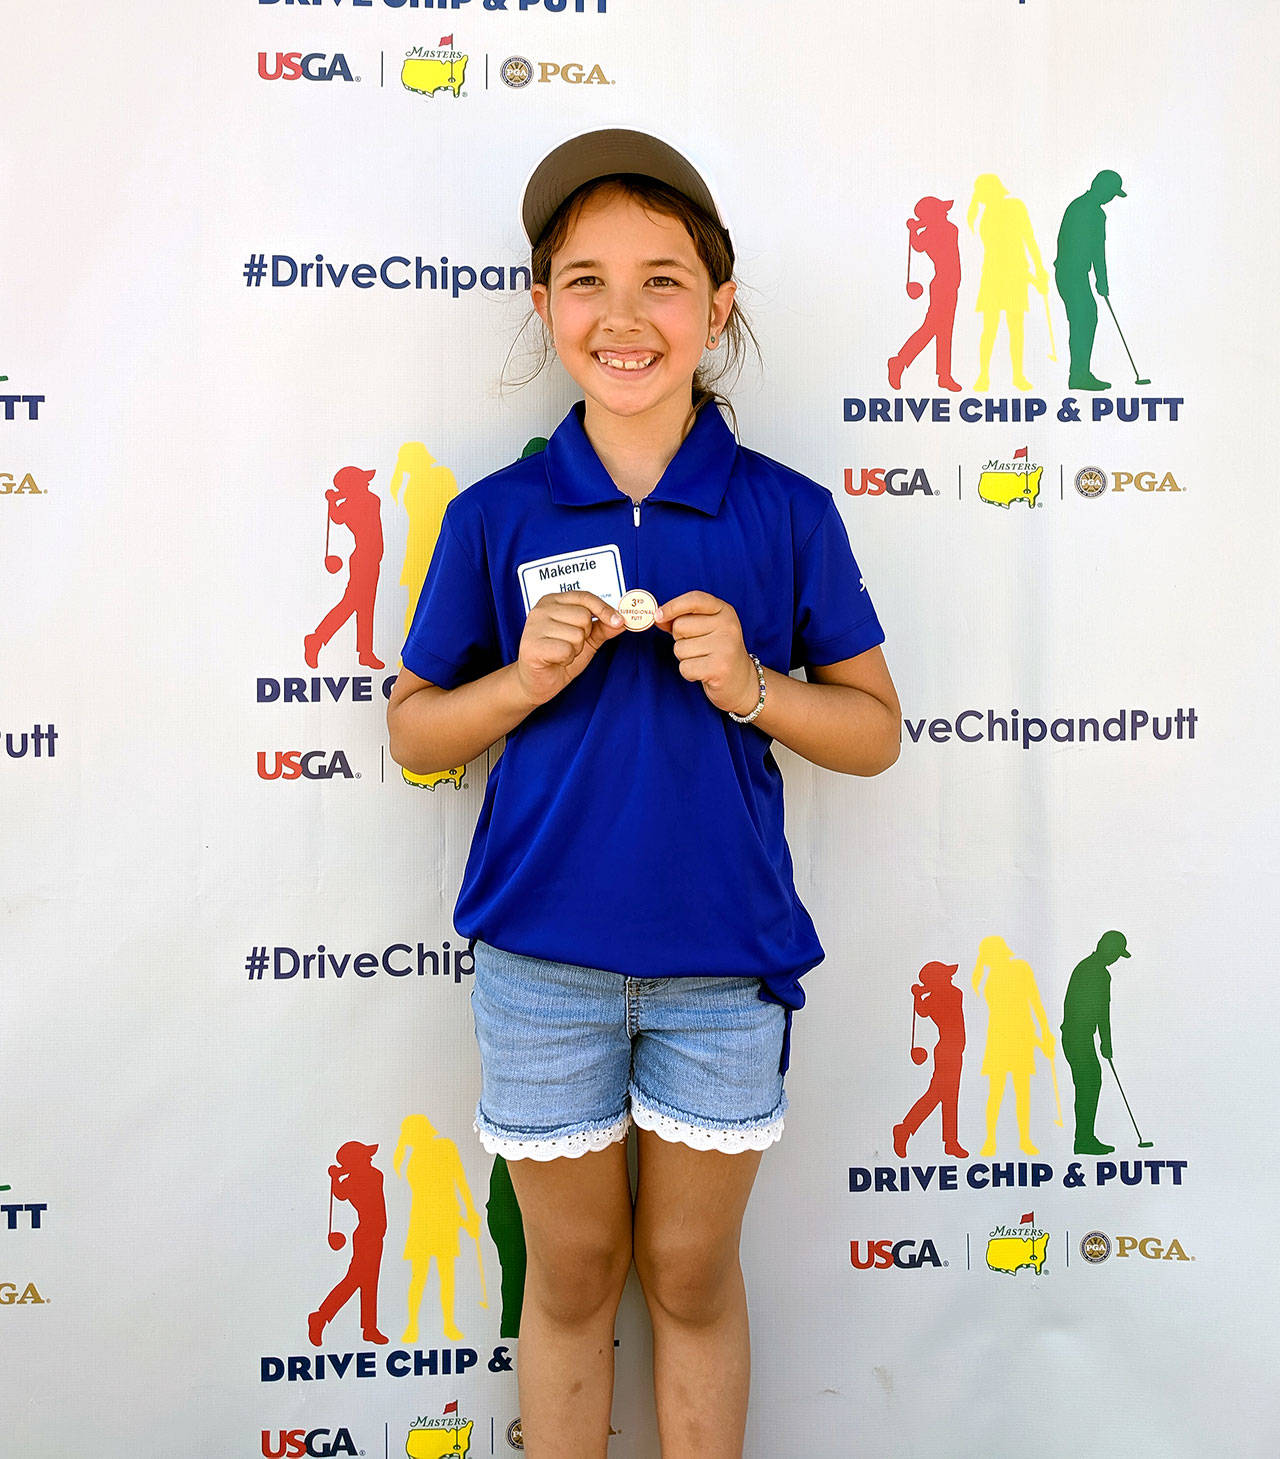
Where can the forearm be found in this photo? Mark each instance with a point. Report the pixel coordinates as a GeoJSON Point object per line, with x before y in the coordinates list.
{"type": "Point", "coordinates": [833, 725]}
{"type": "Point", "coordinates": [435, 729]}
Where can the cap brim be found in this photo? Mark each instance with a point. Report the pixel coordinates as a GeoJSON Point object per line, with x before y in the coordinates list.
{"type": "Point", "coordinates": [600, 154]}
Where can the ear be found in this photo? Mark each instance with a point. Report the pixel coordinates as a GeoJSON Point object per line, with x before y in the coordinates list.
{"type": "Point", "coordinates": [540, 298]}
{"type": "Point", "coordinates": [722, 306]}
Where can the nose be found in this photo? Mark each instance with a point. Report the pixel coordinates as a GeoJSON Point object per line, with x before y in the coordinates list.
{"type": "Point", "coordinates": [622, 307]}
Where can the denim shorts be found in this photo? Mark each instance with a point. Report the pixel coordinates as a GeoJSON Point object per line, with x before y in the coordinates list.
{"type": "Point", "coordinates": [571, 1055]}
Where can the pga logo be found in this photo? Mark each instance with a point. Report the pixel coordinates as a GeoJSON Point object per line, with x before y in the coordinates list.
{"type": "Point", "coordinates": [890, 480]}
{"type": "Point", "coordinates": [1097, 1247]}
{"type": "Point", "coordinates": [13, 1296]}
{"type": "Point", "coordinates": [297, 765]}
{"type": "Point", "coordinates": [316, 1444]}
{"type": "Point", "coordinates": [292, 65]}
{"type": "Point", "coordinates": [518, 71]}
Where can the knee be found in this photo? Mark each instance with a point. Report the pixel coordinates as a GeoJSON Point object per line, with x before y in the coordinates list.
{"type": "Point", "coordinates": [575, 1274]}
{"type": "Point", "coordinates": [691, 1280]}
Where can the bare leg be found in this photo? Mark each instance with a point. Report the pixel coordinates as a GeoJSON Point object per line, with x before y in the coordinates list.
{"type": "Point", "coordinates": [995, 1083]}
{"type": "Point", "coordinates": [990, 323]}
{"type": "Point", "coordinates": [445, 1265]}
{"type": "Point", "coordinates": [577, 1227]}
{"type": "Point", "coordinates": [688, 1219]}
{"type": "Point", "coordinates": [1016, 321]}
{"type": "Point", "coordinates": [417, 1282]}
{"type": "Point", "coordinates": [1022, 1093]}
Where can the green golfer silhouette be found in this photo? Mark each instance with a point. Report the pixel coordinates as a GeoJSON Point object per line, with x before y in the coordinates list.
{"type": "Point", "coordinates": [1082, 249]}
{"type": "Point", "coordinates": [1086, 1013]}
{"type": "Point", "coordinates": [506, 1226]}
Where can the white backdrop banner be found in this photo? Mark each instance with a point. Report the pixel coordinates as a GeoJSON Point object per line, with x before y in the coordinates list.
{"type": "Point", "coordinates": [260, 279]}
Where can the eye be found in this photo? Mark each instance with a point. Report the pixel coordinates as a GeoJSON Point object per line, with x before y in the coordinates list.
{"type": "Point", "coordinates": [582, 279]}
{"type": "Point", "coordinates": [663, 282]}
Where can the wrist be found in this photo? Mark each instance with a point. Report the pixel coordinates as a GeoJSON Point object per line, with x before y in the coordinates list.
{"type": "Point", "coordinates": [751, 709]}
{"type": "Point", "coordinates": [523, 698]}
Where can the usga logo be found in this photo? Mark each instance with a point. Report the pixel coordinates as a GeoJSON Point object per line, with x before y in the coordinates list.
{"type": "Point", "coordinates": [1096, 1247]}
{"type": "Point", "coordinates": [893, 480]}
{"type": "Point", "coordinates": [517, 72]}
{"type": "Point", "coordinates": [297, 765]}
{"type": "Point", "coordinates": [315, 66]}
{"type": "Point", "coordinates": [11, 1295]}
{"type": "Point", "coordinates": [11, 485]}
{"type": "Point", "coordinates": [290, 1443]}
{"type": "Point", "coordinates": [885, 1254]}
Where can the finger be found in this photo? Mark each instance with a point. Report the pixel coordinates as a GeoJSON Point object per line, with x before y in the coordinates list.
{"type": "Point", "coordinates": [693, 602]}
{"type": "Point", "coordinates": [553, 650]}
{"type": "Point", "coordinates": [697, 625]}
{"type": "Point", "coordinates": [692, 648]}
{"type": "Point", "coordinates": [597, 606]}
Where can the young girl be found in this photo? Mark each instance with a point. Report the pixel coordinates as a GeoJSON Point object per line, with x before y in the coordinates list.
{"type": "Point", "coordinates": [638, 939]}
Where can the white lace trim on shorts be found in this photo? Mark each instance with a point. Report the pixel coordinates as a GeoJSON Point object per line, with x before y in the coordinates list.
{"type": "Point", "coordinates": [581, 1142]}
{"type": "Point", "coordinates": [698, 1137]}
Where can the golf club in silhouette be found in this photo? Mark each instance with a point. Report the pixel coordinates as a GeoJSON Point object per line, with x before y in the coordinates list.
{"type": "Point", "coordinates": [1142, 1144]}
{"type": "Point", "coordinates": [1137, 380]}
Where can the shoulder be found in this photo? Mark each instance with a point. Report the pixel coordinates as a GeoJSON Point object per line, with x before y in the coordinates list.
{"type": "Point", "coordinates": [499, 498]}
{"type": "Point", "coordinates": [498, 490]}
{"type": "Point", "coordinates": [784, 490]}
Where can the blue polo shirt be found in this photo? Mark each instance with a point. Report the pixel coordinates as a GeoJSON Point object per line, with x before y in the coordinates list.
{"type": "Point", "coordinates": [630, 825]}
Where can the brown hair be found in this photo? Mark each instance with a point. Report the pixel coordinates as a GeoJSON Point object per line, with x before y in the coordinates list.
{"type": "Point", "coordinates": [714, 250]}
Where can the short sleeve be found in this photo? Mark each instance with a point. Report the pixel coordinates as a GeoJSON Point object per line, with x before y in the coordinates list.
{"type": "Point", "coordinates": [834, 616]}
{"type": "Point", "coordinates": [454, 635]}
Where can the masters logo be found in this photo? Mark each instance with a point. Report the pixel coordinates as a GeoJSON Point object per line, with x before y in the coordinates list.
{"type": "Point", "coordinates": [1010, 1248]}
{"type": "Point", "coordinates": [1001, 483]}
{"type": "Point", "coordinates": [448, 1437]}
{"type": "Point", "coordinates": [428, 71]}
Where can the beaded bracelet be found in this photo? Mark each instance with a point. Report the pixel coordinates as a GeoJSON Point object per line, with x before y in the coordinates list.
{"type": "Point", "coordinates": [747, 718]}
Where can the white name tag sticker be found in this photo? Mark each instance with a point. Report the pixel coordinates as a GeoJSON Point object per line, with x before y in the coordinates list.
{"type": "Point", "coordinates": [595, 570]}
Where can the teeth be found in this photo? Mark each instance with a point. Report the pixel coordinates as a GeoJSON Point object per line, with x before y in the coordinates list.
{"type": "Point", "coordinates": [615, 364]}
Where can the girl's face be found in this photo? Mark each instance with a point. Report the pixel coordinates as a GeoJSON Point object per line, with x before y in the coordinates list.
{"type": "Point", "coordinates": [630, 308]}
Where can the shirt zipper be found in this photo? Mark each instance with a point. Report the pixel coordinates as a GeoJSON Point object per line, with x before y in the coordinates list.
{"type": "Point", "coordinates": [635, 513]}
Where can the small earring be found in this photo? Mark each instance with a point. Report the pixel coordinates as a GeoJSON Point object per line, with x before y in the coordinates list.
{"type": "Point", "coordinates": [712, 341]}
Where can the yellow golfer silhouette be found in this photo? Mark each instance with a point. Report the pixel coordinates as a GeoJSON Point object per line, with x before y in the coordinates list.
{"type": "Point", "coordinates": [436, 1184]}
{"type": "Point", "coordinates": [1016, 1025]}
{"type": "Point", "coordinates": [1010, 261]}
{"type": "Point", "coordinates": [428, 490]}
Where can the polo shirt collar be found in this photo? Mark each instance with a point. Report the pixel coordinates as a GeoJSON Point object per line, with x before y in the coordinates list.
{"type": "Point", "coordinates": [697, 476]}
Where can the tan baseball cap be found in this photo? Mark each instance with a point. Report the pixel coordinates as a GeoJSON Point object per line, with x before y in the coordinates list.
{"type": "Point", "coordinates": [601, 154]}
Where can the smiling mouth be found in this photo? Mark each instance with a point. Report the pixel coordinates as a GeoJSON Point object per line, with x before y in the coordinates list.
{"type": "Point", "coordinates": [630, 363]}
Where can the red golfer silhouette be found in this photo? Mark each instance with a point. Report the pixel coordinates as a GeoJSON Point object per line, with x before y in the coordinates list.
{"type": "Point", "coordinates": [354, 506]}
{"type": "Point", "coordinates": [357, 1180]}
{"type": "Point", "coordinates": [936, 236]}
{"type": "Point", "coordinates": [937, 998]}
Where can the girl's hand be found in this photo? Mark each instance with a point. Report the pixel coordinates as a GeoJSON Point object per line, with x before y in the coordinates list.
{"type": "Point", "coordinates": [560, 638]}
{"type": "Point", "coordinates": [708, 644]}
